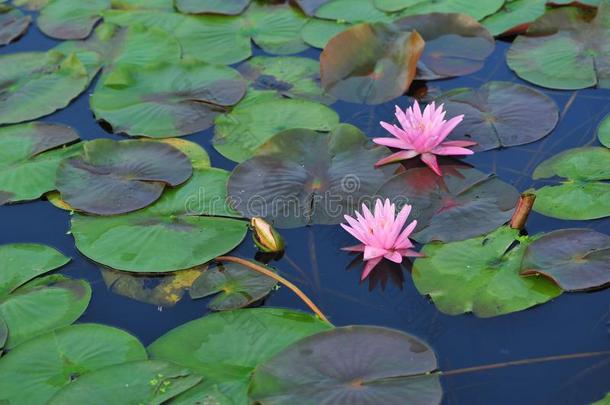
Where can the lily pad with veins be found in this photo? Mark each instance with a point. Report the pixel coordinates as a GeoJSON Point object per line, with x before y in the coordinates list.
{"type": "Point", "coordinates": [303, 177]}
{"type": "Point", "coordinates": [13, 24]}
{"type": "Point", "coordinates": [500, 114]}
{"type": "Point", "coordinates": [477, 10]}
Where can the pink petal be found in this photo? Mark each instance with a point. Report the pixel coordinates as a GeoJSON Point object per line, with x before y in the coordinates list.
{"type": "Point", "coordinates": [451, 150]}
{"type": "Point", "coordinates": [449, 126]}
{"type": "Point", "coordinates": [394, 257]}
{"type": "Point", "coordinates": [353, 232]}
{"type": "Point", "coordinates": [430, 160]}
{"type": "Point", "coordinates": [370, 265]}
{"type": "Point", "coordinates": [391, 142]}
{"type": "Point", "coordinates": [355, 248]}
{"type": "Point", "coordinates": [371, 252]}
{"type": "Point", "coordinates": [397, 157]}
{"type": "Point", "coordinates": [411, 253]}
{"type": "Point", "coordinates": [403, 241]}
{"type": "Point", "coordinates": [458, 143]}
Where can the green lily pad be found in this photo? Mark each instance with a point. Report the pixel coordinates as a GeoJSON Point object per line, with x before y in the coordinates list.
{"type": "Point", "coordinates": [169, 99]}
{"type": "Point", "coordinates": [603, 131]}
{"type": "Point", "coordinates": [462, 204]}
{"type": "Point", "coordinates": [13, 24]}
{"type": "Point", "coordinates": [395, 5]}
{"type": "Point", "coordinates": [111, 177]}
{"type": "Point", "coordinates": [136, 5]}
{"type": "Point", "coordinates": [31, 306]}
{"type": "Point", "coordinates": [29, 157]}
{"type": "Point", "coordinates": [34, 371]}
{"type": "Point", "coordinates": [456, 44]}
{"type": "Point", "coordinates": [71, 19]}
{"type": "Point", "coordinates": [501, 114]}
{"type": "Point", "coordinates": [236, 286]}
{"type": "Point", "coordinates": [575, 259]}
{"type": "Point", "coordinates": [514, 17]}
{"type": "Point", "coordinates": [288, 76]}
{"type": "Point", "coordinates": [351, 365]}
{"type": "Point", "coordinates": [310, 7]}
{"type": "Point", "coordinates": [385, 71]}
{"type": "Point", "coordinates": [585, 194]}
{"type": "Point", "coordinates": [35, 84]}
{"type": "Point", "coordinates": [604, 401]}
{"type": "Point", "coordinates": [179, 228]}
{"type": "Point", "coordinates": [241, 132]}
{"type": "Point", "coordinates": [3, 334]}
{"type": "Point", "coordinates": [142, 382]}
{"type": "Point", "coordinates": [353, 11]}
{"type": "Point", "coordinates": [554, 52]}
{"type": "Point", "coordinates": [478, 10]}
{"type": "Point", "coordinates": [225, 347]}
{"type": "Point", "coordinates": [302, 177]}
{"type": "Point", "coordinates": [318, 32]}
{"type": "Point", "coordinates": [30, 4]}
{"type": "Point", "coordinates": [228, 7]}
{"type": "Point", "coordinates": [480, 275]}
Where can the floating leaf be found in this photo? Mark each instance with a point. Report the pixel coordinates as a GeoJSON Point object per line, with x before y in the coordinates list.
{"type": "Point", "coordinates": [603, 132]}
{"type": "Point", "coordinates": [478, 10]}
{"type": "Point", "coordinates": [395, 5]}
{"type": "Point", "coordinates": [241, 132]}
{"type": "Point", "coordinates": [310, 7]}
{"type": "Point", "coordinates": [353, 11]}
{"type": "Point", "coordinates": [576, 259]}
{"type": "Point", "coordinates": [302, 177]}
{"type": "Point", "coordinates": [501, 114]}
{"type": "Point", "coordinates": [70, 19]}
{"type": "Point", "coordinates": [35, 84]}
{"type": "Point", "coordinates": [480, 275]}
{"type": "Point", "coordinates": [178, 228]}
{"type": "Point", "coordinates": [554, 52]}
{"type": "Point", "coordinates": [111, 177]}
{"type": "Point", "coordinates": [462, 204]}
{"type": "Point", "coordinates": [514, 17]}
{"type": "Point", "coordinates": [34, 371]}
{"type": "Point", "coordinates": [456, 44]}
{"type": "Point", "coordinates": [318, 32]}
{"type": "Point", "coordinates": [236, 286]}
{"type": "Point", "coordinates": [225, 347]}
{"type": "Point", "coordinates": [350, 365]}
{"type": "Point", "coordinates": [586, 193]}
{"type": "Point", "coordinates": [143, 382]}
{"type": "Point", "coordinates": [170, 99]}
{"type": "Point", "coordinates": [228, 7]}
{"type": "Point", "coordinates": [370, 63]}
{"type": "Point", "coordinates": [29, 157]}
{"type": "Point", "coordinates": [30, 4]}
{"type": "Point", "coordinates": [13, 24]}
{"type": "Point", "coordinates": [3, 334]}
{"type": "Point", "coordinates": [289, 76]}
{"type": "Point", "coordinates": [31, 306]}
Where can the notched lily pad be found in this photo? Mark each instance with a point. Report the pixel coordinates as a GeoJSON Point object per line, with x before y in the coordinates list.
{"type": "Point", "coordinates": [71, 19]}
{"type": "Point", "coordinates": [501, 114]}
{"type": "Point", "coordinates": [13, 24]}
{"type": "Point", "coordinates": [227, 7]}
{"type": "Point", "coordinates": [586, 192]}
{"type": "Point", "coordinates": [461, 204]}
{"type": "Point", "coordinates": [168, 99]}
{"type": "Point", "coordinates": [350, 365]}
{"type": "Point", "coordinates": [576, 259]}
{"type": "Point", "coordinates": [111, 177]}
{"type": "Point", "coordinates": [480, 275]}
{"type": "Point", "coordinates": [29, 157]}
{"type": "Point", "coordinates": [236, 286]}
{"type": "Point", "coordinates": [370, 63]}
{"type": "Point", "coordinates": [302, 177]}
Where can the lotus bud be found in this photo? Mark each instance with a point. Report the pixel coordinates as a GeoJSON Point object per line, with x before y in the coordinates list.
{"type": "Point", "coordinates": [266, 238]}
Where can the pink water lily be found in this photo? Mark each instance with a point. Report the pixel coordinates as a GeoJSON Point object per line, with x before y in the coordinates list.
{"type": "Point", "coordinates": [382, 234]}
{"type": "Point", "coordinates": [422, 134]}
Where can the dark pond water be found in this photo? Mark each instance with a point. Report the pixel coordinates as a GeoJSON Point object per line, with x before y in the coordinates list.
{"type": "Point", "coordinates": [572, 323]}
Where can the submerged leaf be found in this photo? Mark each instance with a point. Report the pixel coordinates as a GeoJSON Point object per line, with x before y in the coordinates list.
{"type": "Point", "coordinates": [13, 24]}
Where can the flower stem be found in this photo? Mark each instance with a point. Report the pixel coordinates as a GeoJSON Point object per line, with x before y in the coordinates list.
{"type": "Point", "coordinates": [522, 211]}
{"type": "Point", "coordinates": [278, 278]}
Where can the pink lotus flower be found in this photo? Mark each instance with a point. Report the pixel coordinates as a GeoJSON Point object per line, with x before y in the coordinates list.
{"type": "Point", "coordinates": [382, 234]}
{"type": "Point", "coordinates": [422, 134]}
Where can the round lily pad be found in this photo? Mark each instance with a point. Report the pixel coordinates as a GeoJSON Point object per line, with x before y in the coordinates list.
{"type": "Point", "coordinates": [170, 99]}
{"type": "Point", "coordinates": [576, 259]}
{"type": "Point", "coordinates": [500, 114]}
{"type": "Point", "coordinates": [29, 157]}
{"type": "Point", "coordinates": [29, 305]}
{"type": "Point", "coordinates": [603, 131]}
{"type": "Point", "coordinates": [35, 84]}
{"type": "Point", "coordinates": [456, 44]}
{"type": "Point", "coordinates": [288, 76]}
{"type": "Point", "coordinates": [385, 71]}
{"type": "Point", "coordinates": [13, 24]}
{"type": "Point", "coordinates": [461, 204]}
{"type": "Point", "coordinates": [555, 53]}
{"type": "Point", "coordinates": [111, 177]}
{"type": "Point", "coordinates": [241, 132]}
{"type": "Point", "coordinates": [225, 347]}
{"type": "Point", "coordinates": [34, 371]}
{"type": "Point", "coordinates": [480, 275]}
{"type": "Point", "coordinates": [585, 194]}
{"type": "Point", "coordinates": [477, 10]}
{"type": "Point", "coordinates": [70, 19]}
{"type": "Point", "coordinates": [514, 17]}
{"type": "Point", "coordinates": [228, 7]}
{"type": "Point", "coordinates": [236, 286]}
{"type": "Point", "coordinates": [186, 227]}
{"type": "Point", "coordinates": [141, 382]}
{"type": "Point", "coordinates": [356, 365]}
{"type": "Point", "coordinates": [302, 177]}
